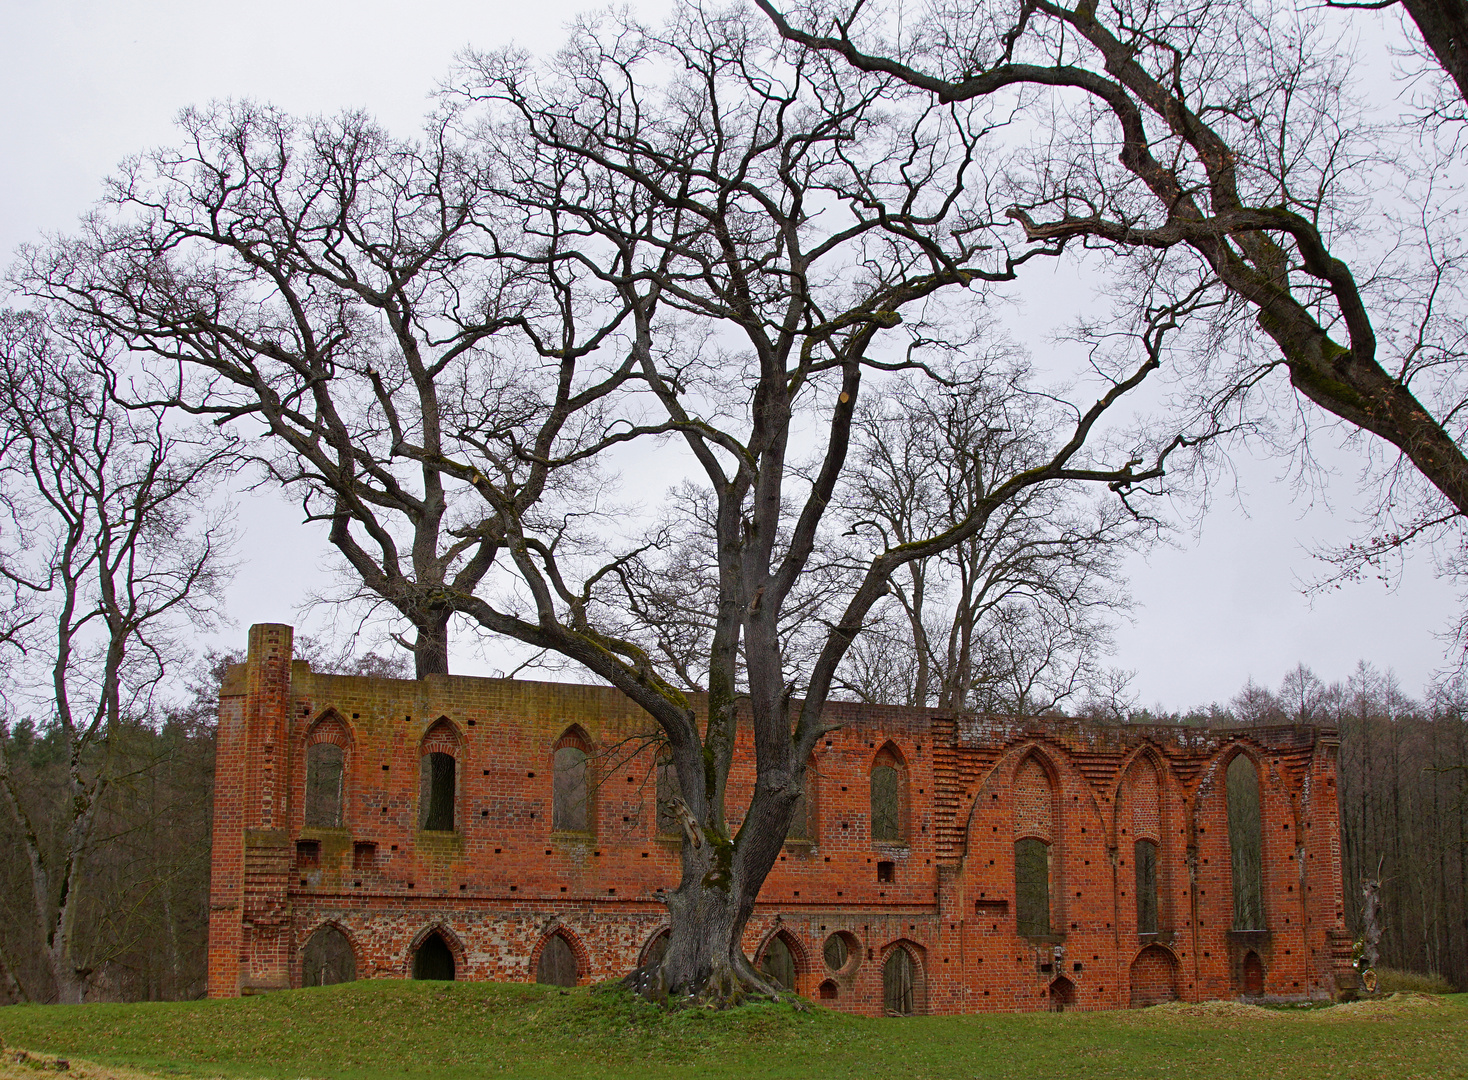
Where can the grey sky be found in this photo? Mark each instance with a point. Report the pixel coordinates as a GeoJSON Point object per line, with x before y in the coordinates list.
{"type": "Point", "coordinates": [84, 84]}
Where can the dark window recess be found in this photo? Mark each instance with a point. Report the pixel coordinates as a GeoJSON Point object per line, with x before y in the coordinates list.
{"type": "Point", "coordinates": [828, 991]}
{"type": "Point", "coordinates": [1246, 843]}
{"type": "Point", "coordinates": [885, 824]}
{"type": "Point", "coordinates": [434, 960]}
{"type": "Point", "coordinates": [800, 817]}
{"type": "Point", "coordinates": [668, 790]}
{"type": "Point", "coordinates": [308, 853]}
{"type": "Point", "coordinates": [364, 855]}
{"type": "Point", "coordinates": [779, 963]}
{"type": "Point", "coordinates": [1032, 887]}
{"type": "Point", "coordinates": [328, 959]}
{"type": "Point", "coordinates": [569, 809]}
{"type": "Point", "coordinates": [1146, 868]}
{"type": "Point", "coordinates": [557, 965]}
{"type": "Point", "coordinates": [886, 871]}
{"type": "Point", "coordinates": [324, 767]}
{"type": "Point", "coordinates": [436, 792]}
{"type": "Point", "coordinates": [897, 984]}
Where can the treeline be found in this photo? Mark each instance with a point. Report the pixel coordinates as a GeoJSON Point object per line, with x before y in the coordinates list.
{"type": "Point", "coordinates": [142, 881]}
{"type": "Point", "coordinates": [143, 899]}
{"type": "Point", "coordinates": [1403, 770]}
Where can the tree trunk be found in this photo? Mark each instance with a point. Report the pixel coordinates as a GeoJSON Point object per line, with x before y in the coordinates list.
{"type": "Point", "coordinates": [431, 649]}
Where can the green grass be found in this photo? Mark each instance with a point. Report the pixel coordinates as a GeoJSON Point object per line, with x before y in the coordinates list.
{"type": "Point", "coordinates": [454, 1030]}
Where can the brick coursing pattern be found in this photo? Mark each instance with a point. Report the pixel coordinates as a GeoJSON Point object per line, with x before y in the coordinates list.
{"type": "Point", "coordinates": [503, 882]}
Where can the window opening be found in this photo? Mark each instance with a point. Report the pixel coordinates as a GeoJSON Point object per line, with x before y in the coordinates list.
{"type": "Point", "coordinates": [828, 991]}
{"type": "Point", "coordinates": [436, 792]}
{"type": "Point", "coordinates": [324, 768]}
{"type": "Point", "coordinates": [328, 959]}
{"type": "Point", "coordinates": [885, 825]}
{"type": "Point", "coordinates": [800, 816]}
{"type": "Point", "coordinates": [779, 963]}
{"type": "Point", "coordinates": [1145, 861]}
{"type": "Point", "coordinates": [1246, 842]}
{"type": "Point", "coordinates": [308, 853]}
{"type": "Point", "coordinates": [364, 855]}
{"type": "Point", "coordinates": [1032, 887]}
{"type": "Point", "coordinates": [668, 790]}
{"type": "Point", "coordinates": [557, 965]}
{"type": "Point", "coordinates": [434, 960]}
{"type": "Point", "coordinates": [897, 996]}
{"type": "Point", "coordinates": [836, 952]}
{"type": "Point", "coordinates": [886, 871]}
{"type": "Point", "coordinates": [568, 810]}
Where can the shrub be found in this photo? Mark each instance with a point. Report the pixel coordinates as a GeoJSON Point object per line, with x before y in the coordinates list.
{"type": "Point", "coordinates": [1391, 980]}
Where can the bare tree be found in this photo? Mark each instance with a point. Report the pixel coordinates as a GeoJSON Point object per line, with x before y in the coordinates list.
{"type": "Point", "coordinates": [1013, 619]}
{"type": "Point", "coordinates": [109, 532]}
{"type": "Point", "coordinates": [685, 240]}
{"type": "Point", "coordinates": [351, 295]}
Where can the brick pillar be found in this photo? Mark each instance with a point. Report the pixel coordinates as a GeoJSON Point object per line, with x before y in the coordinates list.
{"type": "Point", "coordinates": [249, 945]}
{"type": "Point", "coordinates": [1329, 941]}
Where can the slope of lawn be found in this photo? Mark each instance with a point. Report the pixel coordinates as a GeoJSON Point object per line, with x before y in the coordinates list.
{"type": "Point", "coordinates": [462, 1030]}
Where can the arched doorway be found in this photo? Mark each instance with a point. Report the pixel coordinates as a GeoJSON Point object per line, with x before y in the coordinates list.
{"type": "Point", "coordinates": [1153, 977]}
{"type": "Point", "coordinates": [557, 963]}
{"type": "Point", "coordinates": [1253, 975]}
{"type": "Point", "coordinates": [328, 959]}
{"type": "Point", "coordinates": [434, 959]}
{"type": "Point", "coordinates": [779, 963]}
{"type": "Point", "coordinates": [899, 984]}
{"type": "Point", "coordinates": [1062, 995]}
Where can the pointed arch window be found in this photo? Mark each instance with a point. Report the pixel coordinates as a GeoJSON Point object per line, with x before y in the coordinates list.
{"type": "Point", "coordinates": [434, 959]}
{"type": "Point", "coordinates": [1032, 886]}
{"type": "Point", "coordinates": [888, 783]}
{"type": "Point", "coordinates": [669, 789]}
{"type": "Point", "coordinates": [325, 768]}
{"type": "Point", "coordinates": [436, 783]}
{"type": "Point", "coordinates": [1246, 842]}
{"type": "Point", "coordinates": [571, 784]}
{"type": "Point", "coordinates": [438, 768]}
{"type": "Point", "coordinates": [1144, 856]}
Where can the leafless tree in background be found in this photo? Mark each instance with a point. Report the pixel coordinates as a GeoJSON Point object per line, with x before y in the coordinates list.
{"type": "Point", "coordinates": [1015, 619]}
{"type": "Point", "coordinates": [109, 536]}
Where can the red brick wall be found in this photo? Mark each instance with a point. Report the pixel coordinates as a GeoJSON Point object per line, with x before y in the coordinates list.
{"type": "Point", "coordinates": [504, 881]}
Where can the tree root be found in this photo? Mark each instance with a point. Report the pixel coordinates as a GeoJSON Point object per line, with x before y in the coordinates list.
{"type": "Point", "coordinates": [728, 987]}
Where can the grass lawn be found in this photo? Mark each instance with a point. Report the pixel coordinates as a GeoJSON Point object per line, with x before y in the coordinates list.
{"type": "Point", "coordinates": [460, 1030]}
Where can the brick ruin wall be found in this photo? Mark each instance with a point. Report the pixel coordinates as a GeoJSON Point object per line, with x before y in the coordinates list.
{"type": "Point", "coordinates": [497, 887]}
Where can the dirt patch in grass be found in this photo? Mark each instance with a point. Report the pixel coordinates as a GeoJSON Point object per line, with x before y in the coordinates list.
{"type": "Point", "coordinates": [18, 1064]}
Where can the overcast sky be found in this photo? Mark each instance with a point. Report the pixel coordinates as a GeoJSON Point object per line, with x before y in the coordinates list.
{"type": "Point", "coordinates": [85, 84]}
